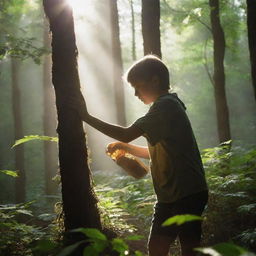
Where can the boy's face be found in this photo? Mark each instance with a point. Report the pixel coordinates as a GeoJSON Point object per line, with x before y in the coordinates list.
{"type": "Point", "coordinates": [146, 91]}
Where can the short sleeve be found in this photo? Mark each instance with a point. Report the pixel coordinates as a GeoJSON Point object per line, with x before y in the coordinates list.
{"type": "Point", "coordinates": [156, 123]}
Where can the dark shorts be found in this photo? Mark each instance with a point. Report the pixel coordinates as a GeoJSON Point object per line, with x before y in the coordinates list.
{"type": "Point", "coordinates": [193, 204]}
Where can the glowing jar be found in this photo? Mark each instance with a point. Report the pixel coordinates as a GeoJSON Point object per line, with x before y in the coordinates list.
{"type": "Point", "coordinates": [132, 165]}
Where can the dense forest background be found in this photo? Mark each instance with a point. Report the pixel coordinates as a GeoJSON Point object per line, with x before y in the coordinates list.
{"type": "Point", "coordinates": [27, 107]}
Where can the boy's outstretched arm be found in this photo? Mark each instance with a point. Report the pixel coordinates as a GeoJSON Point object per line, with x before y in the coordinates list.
{"type": "Point", "coordinates": [124, 134]}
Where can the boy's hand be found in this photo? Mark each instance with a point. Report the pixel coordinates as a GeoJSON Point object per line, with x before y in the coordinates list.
{"type": "Point", "coordinates": [113, 146]}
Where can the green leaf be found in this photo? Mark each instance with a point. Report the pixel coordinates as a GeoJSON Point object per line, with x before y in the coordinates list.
{"type": "Point", "coordinates": [134, 237]}
{"type": "Point", "coordinates": [45, 245]}
{"type": "Point", "coordinates": [26, 212]}
{"type": "Point", "coordinates": [229, 249]}
{"type": "Point", "coordinates": [138, 253]}
{"type": "Point", "coordinates": [10, 173]}
{"type": "Point", "coordinates": [119, 245]}
{"type": "Point", "coordinates": [90, 251]}
{"type": "Point", "coordinates": [198, 12]}
{"type": "Point", "coordinates": [180, 219]}
{"type": "Point", "coordinates": [34, 137]}
{"type": "Point", "coordinates": [92, 233]}
{"type": "Point", "coordinates": [224, 249]}
{"type": "Point", "coordinates": [69, 249]}
{"type": "Point", "coordinates": [186, 20]}
{"type": "Point", "coordinates": [208, 250]}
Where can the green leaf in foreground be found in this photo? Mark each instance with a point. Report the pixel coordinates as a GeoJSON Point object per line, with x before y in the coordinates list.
{"type": "Point", "coordinates": [45, 245]}
{"type": "Point", "coordinates": [92, 233]}
{"type": "Point", "coordinates": [34, 137]}
{"type": "Point", "coordinates": [69, 249]}
{"type": "Point", "coordinates": [225, 249]}
{"type": "Point", "coordinates": [10, 173]}
{"type": "Point", "coordinates": [181, 219]}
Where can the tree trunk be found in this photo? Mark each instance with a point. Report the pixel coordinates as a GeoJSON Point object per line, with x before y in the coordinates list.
{"type": "Point", "coordinates": [251, 26]}
{"type": "Point", "coordinates": [151, 27]}
{"type": "Point", "coordinates": [117, 64]}
{"type": "Point", "coordinates": [49, 119]}
{"type": "Point", "coordinates": [79, 201]}
{"type": "Point", "coordinates": [219, 74]}
{"type": "Point", "coordinates": [20, 181]}
{"type": "Point", "coordinates": [134, 57]}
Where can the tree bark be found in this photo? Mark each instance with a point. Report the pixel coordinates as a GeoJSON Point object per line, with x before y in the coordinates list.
{"type": "Point", "coordinates": [117, 64]}
{"type": "Point", "coordinates": [151, 27]}
{"type": "Point", "coordinates": [219, 73]}
{"type": "Point", "coordinates": [79, 201]}
{"type": "Point", "coordinates": [20, 181]}
{"type": "Point", "coordinates": [49, 120]}
{"type": "Point", "coordinates": [251, 27]}
{"type": "Point", "coordinates": [134, 57]}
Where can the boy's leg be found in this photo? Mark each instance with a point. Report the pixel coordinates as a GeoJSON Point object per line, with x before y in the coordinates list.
{"type": "Point", "coordinates": [190, 232]}
{"type": "Point", "coordinates": [159, 245]}
{"type": "Point", "coordinates": [160, 238]}
{"type": "Point", "coordinates": [190, 237]}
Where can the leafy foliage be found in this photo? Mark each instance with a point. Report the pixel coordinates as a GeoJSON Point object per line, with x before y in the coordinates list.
{"type": "Point", "coordinates": [181, 219]}
{"type": "Point", "coordinates": [96, 243]}
{"type": "Point", "coordinates": [232, 182]}
{"type": "Point", "coordinates": [10, 173]}
{"type": "Point", "coordinates": [34, 137]}
{"type": "Point", "coordinates": [225, 249]}
{"type": "Point", "coordinates": [21, 48]}
{"type": "Point", "coordinates": [17, 236]}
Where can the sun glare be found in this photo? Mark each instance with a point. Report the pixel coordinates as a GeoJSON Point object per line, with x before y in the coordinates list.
{"type": "Point", "coordinates": [78, 6]}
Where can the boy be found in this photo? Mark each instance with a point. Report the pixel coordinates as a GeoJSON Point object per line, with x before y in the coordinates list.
{"type": "Point", "coordinates": [176, 166]}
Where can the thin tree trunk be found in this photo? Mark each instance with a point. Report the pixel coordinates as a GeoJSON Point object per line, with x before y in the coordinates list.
{"type": "Point", "coordinates": [20, 181]}
{"type": "Point", "coordinates": [219, 74]}
{"type": "Point", "coordinates": [79, 201]}
{"type": "Point", "coordinates": [134, 57]}
{"type": "Point", "coordinates": [49, 119]}
{"type": "Point", "coordinates": [117, 64]}
{"type": "Point", "coordinates": [251, 26]}
{"type": "Point", "coordinates": [151, 27]}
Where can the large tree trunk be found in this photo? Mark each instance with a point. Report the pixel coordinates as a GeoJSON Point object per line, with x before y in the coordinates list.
{"type": "Point", "coordinates": [251, 26]}
{"type": "Point", "coordinates": [49, 120]}
{"type": "Point", "coordinates": [79, 201]}
{"type": "Point", "coordinates": [151, 27]}
{"type": "Point", "coordinates": [219, 74]}
{"type": "Point", "coordinates": [134, 57]}
{"type": "Point", "coordinates": [20, 181]}
{"type": "Point", "coordinates": [117, 64]}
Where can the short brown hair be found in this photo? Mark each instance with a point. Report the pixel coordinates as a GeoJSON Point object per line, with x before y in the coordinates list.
{"type": "Point", "coordinates": [146, 68]}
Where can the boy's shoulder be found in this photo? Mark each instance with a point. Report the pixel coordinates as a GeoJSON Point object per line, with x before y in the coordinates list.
{"type": "Point", "coordinates": [170, 100]}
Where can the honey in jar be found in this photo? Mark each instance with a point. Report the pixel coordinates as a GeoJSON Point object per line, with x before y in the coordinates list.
{"type": "Point", "coordinates": [131, 164]}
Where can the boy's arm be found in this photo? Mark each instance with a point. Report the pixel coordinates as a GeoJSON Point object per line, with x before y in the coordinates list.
{"type": "Point", "coordinates": [135, 150]}
{"type": "Point", "coordinates": [124, 134]}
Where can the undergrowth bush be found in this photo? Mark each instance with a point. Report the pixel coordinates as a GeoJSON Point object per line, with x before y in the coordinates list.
{"type": "Point", "coordinates": [126, 206]}
{"type": "Point", "coordinates": [231, 176]}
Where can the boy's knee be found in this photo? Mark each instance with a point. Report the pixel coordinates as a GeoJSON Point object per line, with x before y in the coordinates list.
{"type": "Point", "coordinates": [159, 246]}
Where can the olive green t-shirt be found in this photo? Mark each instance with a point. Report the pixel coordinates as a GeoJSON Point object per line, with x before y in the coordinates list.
{"type": "Point", "coordinates": [176, 165]}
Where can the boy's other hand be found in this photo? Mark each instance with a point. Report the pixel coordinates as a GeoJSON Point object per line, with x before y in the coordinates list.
{"type": "Point", "coordinates": [113, 146]}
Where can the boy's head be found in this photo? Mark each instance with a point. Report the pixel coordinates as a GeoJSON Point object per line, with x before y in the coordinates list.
{"type": "Point", "coordinates": [146, 69]}
{"type": "Point", "coordinates": [150, 78]}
